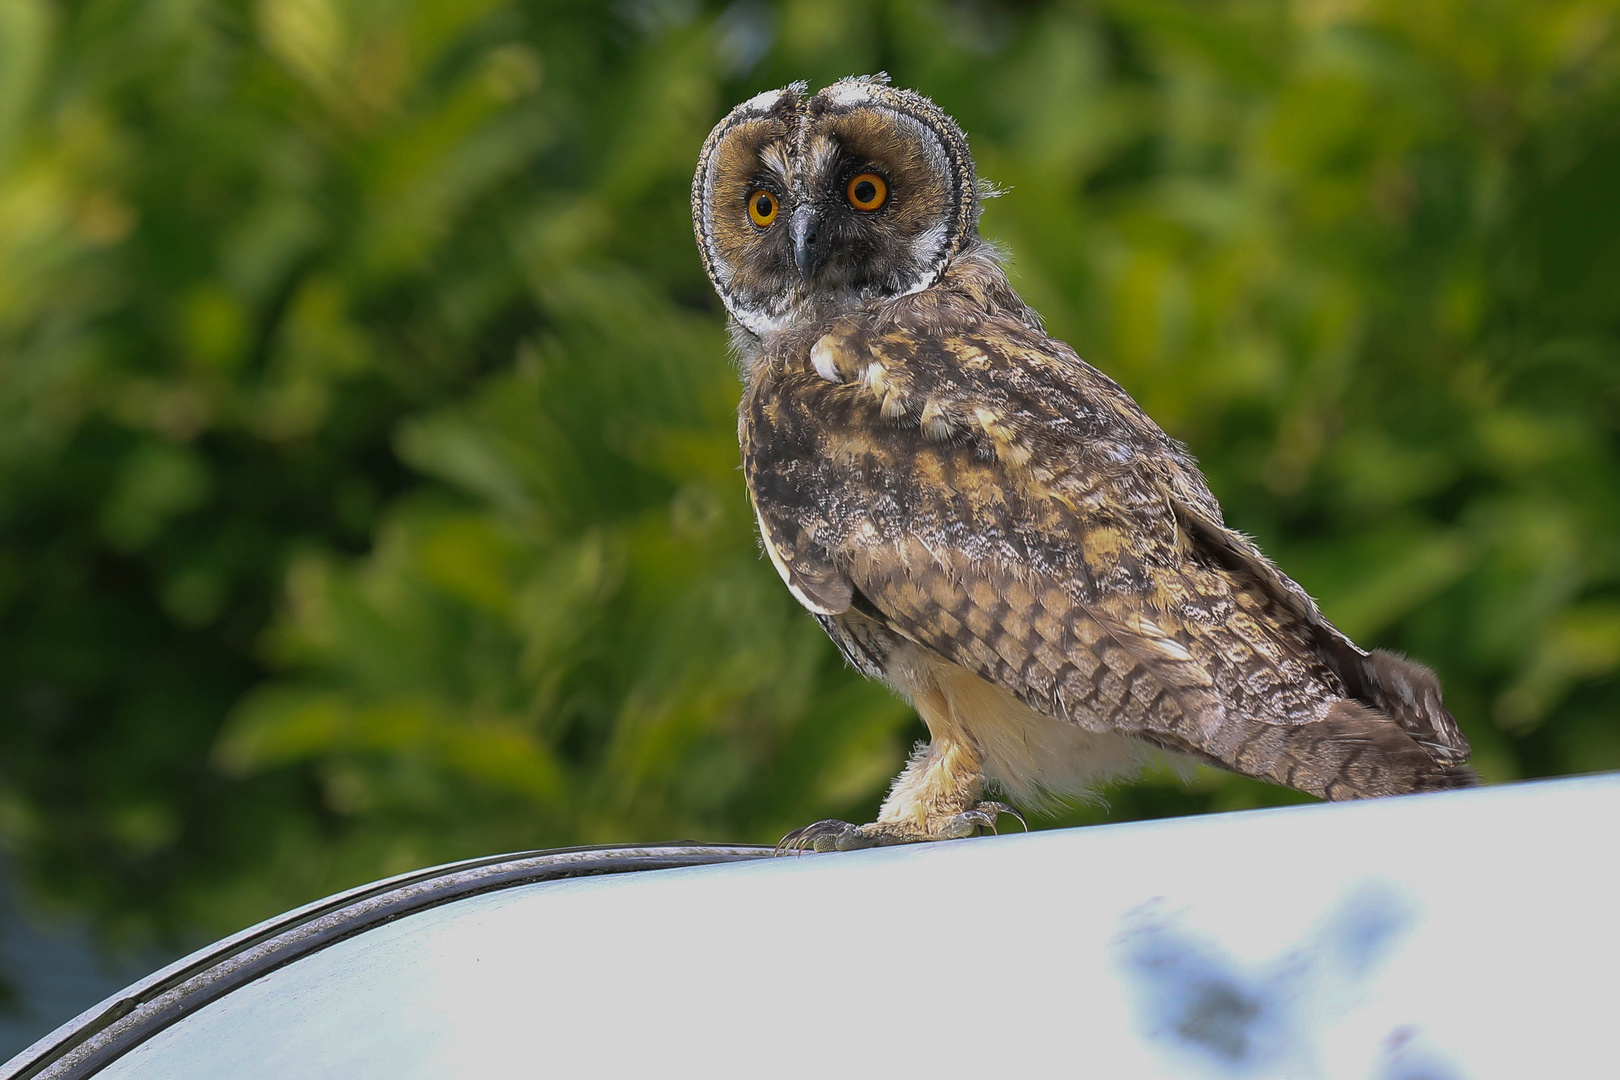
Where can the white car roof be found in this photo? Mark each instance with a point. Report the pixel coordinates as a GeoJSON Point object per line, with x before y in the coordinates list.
{"type": "Point", "coordinates": [1460, 934]}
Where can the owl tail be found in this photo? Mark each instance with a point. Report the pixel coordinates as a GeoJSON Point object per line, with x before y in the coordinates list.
{"type": "Point", "coordinates": [1410, 695]}
{"type": "Point", "coordinates": [1355, 752]}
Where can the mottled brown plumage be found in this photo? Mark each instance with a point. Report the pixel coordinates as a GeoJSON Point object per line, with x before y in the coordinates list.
{"type": "Point", "coordinates": [993, 526]}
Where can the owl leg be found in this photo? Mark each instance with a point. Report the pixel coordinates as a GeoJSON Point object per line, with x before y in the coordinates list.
{"type": "Point", "coordinates": [936, 797]}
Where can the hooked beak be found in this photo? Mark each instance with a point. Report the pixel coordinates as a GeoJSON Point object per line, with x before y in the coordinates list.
{"type": "Point", "coordinates": [808, 251]}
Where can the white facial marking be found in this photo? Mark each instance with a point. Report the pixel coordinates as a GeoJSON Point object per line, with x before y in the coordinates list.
{"type": "Point", "coordinates": [775, 159]}
{"type": "Point", "coordinates": [849, 93]}
{"type": "Point", "coordinates": [822, 152]}
{"type": "Point", "coordinates": [929, 243]}
{"type": "Point", "coordinates": [763, 102]}
{"type": "Point", "coordinates": [759, 323]}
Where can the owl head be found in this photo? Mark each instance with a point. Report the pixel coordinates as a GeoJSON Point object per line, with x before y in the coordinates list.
{"type": "Point", "coordinates": [803, 202]}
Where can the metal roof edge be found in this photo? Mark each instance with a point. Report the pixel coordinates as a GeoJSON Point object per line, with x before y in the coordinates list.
{"type": "Point", "coordinates": [123, 1021]}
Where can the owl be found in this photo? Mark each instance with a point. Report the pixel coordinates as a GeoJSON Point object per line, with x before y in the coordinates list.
{"type": "Point", "coordinates": [988, 524]}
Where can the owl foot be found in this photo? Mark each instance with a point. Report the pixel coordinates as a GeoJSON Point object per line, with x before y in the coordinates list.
{"type": "Point", "coordinates": [834, 835]}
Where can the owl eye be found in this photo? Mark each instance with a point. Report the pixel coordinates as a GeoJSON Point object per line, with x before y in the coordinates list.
{"type": "Point", "coordinates": [762, 208]}
{"type": "Point", "coordinates": [867, 191]}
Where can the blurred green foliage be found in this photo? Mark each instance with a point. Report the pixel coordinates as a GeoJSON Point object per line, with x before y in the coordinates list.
{"type": "Point", "coordinates": [368, 488]}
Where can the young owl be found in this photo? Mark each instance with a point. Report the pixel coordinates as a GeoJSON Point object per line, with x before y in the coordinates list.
{"type": "Point", "coordinates": [987, 523]}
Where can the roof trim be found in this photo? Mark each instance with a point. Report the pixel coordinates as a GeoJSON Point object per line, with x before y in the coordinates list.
{"type": "Point", "coordinates": [111, 1029]}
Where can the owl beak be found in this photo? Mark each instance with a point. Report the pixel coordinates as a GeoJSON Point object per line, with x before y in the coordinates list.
{"type": "Point", "coordinates": [807, 252]}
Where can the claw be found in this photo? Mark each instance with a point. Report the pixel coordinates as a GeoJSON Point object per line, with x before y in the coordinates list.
{"type": "Point", "coordinates": [978, 817]}
{"type": "Point", "coordinates": [793, 842]}
{"type": "Point", "coordinates": [800, 840]}
{"type": "Point", "coordinates": [1003, 808]}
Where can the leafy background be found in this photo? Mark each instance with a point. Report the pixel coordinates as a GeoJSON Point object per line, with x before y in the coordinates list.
{"type": "Point", "coordinates": [368, 488]}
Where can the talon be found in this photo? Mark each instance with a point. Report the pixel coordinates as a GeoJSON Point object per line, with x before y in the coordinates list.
{"type": "Point", "coordinates": [978, 817]}
{"type": "Point", "coordinates": [828, 835]}
{"type": "Point", "coordinates": [1003, 808]}
{"type": "Point", "coordinates": [793, 842]}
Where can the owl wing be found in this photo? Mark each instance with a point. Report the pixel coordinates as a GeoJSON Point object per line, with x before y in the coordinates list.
{"type": "Point", "coordinates": [990, 496]}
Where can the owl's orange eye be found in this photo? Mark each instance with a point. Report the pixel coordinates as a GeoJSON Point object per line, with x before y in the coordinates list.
{"type": "Point", "coordinates": [867, 191]}
{"type": "Point", "coordinates": [762, 208]}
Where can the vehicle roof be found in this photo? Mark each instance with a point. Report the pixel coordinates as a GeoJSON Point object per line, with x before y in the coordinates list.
{"type": "Point", "coordinates": [1455, 934]}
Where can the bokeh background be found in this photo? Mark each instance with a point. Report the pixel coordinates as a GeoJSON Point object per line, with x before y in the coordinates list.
{"type": "Point", "coordinates": [368, 475]}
